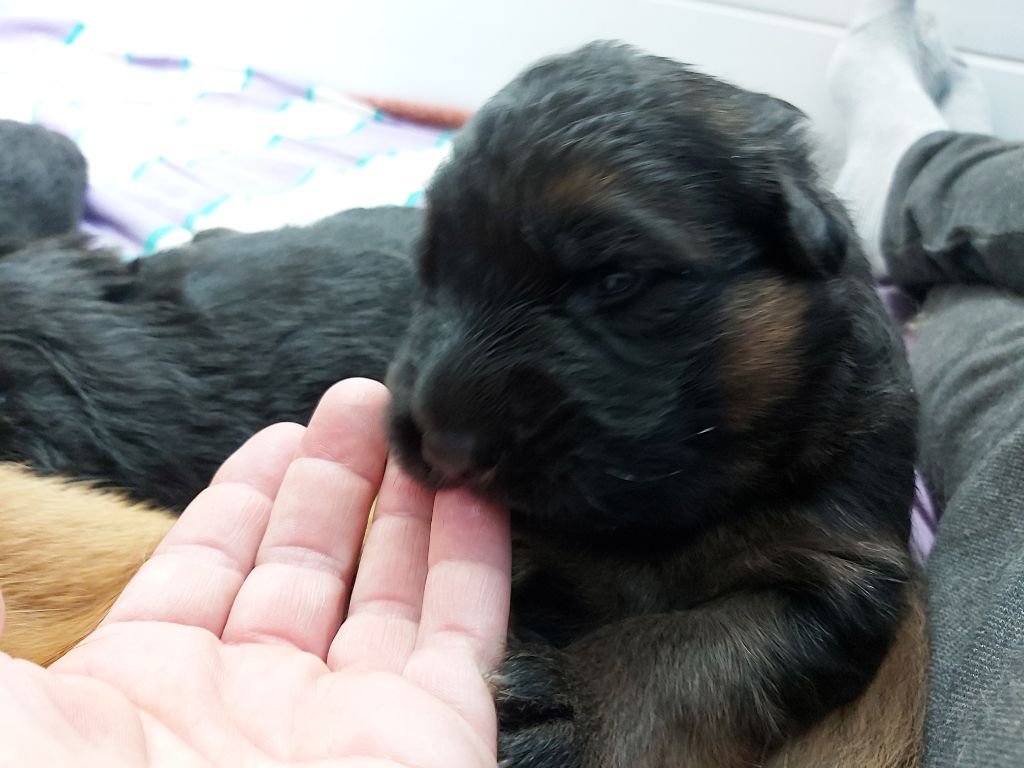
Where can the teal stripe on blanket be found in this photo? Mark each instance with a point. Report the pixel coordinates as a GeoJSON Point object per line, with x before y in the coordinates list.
{"type": "Point", "coordinates": [206, 210]}
{"type": "Point", "coordinates": [74, 33]}
{"type": "Point", "coordinates": [155, 236]}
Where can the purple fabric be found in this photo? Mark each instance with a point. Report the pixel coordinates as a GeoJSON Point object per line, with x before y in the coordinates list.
{"type": "Point", "coordinates": [175, 146]}
{"type": "Point", "coordinates": [924, 513]}
{"type": "Point", "coordinates": [21, 28]}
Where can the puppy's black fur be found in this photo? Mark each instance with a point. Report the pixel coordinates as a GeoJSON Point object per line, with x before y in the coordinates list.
{"type": "Point", "coordinates": [42, 184]}
{"type": "Point", "coordinates": [148, 374]}
{"type": "Point", "coordinates": [646, 327]}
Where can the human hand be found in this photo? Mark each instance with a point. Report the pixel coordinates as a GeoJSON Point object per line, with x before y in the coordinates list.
{"type": "Point", "coordinates": [232, 645]}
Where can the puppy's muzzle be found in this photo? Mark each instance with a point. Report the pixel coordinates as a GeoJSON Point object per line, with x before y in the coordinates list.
{"type": "Point", "coordinates": [465, 420]}
{"type": "Point", "coordinates": [458, 456]}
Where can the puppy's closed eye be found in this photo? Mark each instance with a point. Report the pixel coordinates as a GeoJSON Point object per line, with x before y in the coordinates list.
{"type": "Point", "coordinates": [608, 286]}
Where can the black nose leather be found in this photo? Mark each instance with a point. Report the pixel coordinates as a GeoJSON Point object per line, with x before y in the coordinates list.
{"type": "Point", "coordinates": [452, 453]}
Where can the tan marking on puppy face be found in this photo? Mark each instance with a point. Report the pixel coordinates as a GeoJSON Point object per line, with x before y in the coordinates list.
{"type": "Point", "coordinates": [762, 321]}
{"type": "Point", "coordinates": [580, 185]}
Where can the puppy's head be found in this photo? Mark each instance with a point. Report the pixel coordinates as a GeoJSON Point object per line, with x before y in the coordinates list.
{"type": "Point", "coordinates": [628, 286]}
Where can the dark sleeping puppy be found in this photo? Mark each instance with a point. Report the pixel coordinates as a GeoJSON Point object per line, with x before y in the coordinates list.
{"type": "Point", "coordinates": [148, 374]}
{"type": "Point", "coordinates": [42, 184]}
{"type": "Point", "coordinates": [646, 327]}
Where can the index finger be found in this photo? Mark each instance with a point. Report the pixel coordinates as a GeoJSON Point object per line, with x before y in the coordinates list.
{"type": "Point", "coordinates": [196, 571]}
{"type": "Point", "coordinates": [298, 588]}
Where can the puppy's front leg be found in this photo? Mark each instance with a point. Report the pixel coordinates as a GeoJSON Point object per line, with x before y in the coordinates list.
{"type": "Point", "coordinates": [719, 685]}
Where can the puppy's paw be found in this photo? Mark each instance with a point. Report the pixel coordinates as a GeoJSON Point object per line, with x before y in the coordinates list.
{"type": "Point", "coordinates": [536, 711]}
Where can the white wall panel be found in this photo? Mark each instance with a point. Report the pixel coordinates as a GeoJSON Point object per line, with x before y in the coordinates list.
{"type": "Point", "coordinates": [995, 27]}
{"type": "Point", "coordinates": [460, 51]}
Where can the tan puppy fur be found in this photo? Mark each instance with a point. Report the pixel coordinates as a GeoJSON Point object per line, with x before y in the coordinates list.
{"type": "Point", "coordinates": [66, 552]}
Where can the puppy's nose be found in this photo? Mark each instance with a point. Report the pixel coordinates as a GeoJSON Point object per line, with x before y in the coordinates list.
{"type": "Point", "coordinates": [452, 453]}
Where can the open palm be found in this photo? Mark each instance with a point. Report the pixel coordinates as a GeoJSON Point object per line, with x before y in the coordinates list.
{"type": "Point", "coordinates": [241, 643]}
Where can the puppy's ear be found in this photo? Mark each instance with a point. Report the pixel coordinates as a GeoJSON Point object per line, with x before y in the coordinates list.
{"type": "Point", "coordinates": [815, 238]}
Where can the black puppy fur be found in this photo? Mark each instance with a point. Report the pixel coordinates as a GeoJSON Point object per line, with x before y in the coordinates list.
{"type": "Point", "coordinates": [42, 184]}
{"type": "Point", "coordinates": [148, 374]}
{"type": "Point", "coordinates": [646, 327]}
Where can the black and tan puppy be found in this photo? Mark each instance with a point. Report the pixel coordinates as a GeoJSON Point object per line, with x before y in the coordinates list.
{"type": "Point", "coordinates": [647, 328]}
{"type": "Point", "coordinates": [146, 375]}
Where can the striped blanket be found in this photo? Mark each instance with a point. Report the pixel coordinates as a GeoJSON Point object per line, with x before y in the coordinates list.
{"type": "Point", "coordinates": [176, 147]}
